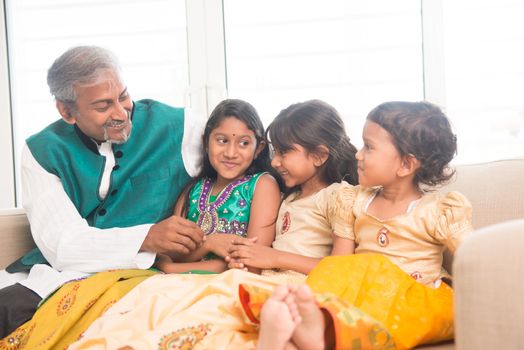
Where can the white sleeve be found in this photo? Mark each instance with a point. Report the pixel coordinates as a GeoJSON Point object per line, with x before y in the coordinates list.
{"type": "Point", "coordinates": [65, 238]}
{"type": "Point", "coordinates": [194, 124]}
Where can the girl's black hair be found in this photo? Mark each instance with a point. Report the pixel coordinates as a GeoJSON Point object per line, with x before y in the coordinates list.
{"type": "Point", "coordinates": [247, 114]}
{"type": "Point", "coordinates": [422, 130]}
{"type": "Point", "coordinates": [311, 124]}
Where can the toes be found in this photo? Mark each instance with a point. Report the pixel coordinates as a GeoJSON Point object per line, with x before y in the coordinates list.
{"type": "Point", "coordinates": [280, 293]}
{"type": "Point", "coordinates": [304, 294]}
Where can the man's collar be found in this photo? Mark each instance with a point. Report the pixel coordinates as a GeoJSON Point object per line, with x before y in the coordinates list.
{"type": "Point", "coordinates": [86, 140]}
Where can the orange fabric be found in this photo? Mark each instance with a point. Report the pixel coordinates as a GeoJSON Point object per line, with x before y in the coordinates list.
{"type": "Point", "coordinates": [413, 313]}
{"type": "Point", "coordinates": [252, 298]}
{"type": "Point", "coordinates": [353, 328]}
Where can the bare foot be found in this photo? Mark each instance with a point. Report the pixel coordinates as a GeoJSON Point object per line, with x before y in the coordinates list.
{"type": "Point", "coordinates": [309, 334]}
{"type": "Point", "coordinates": [278, 319]}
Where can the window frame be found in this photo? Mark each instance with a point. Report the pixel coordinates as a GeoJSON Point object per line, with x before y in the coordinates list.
{"type": "Point", "coordinates": [7, 175]}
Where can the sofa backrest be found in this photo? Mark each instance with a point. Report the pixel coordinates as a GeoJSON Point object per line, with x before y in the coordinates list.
{"type": "Point", "coordinates": [15, 236]}
{"type": "Point", "coordinates": [495, 190]}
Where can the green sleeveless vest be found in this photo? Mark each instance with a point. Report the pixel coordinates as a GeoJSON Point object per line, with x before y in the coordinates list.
{"type": "Point", "coordinates": [148, 175]}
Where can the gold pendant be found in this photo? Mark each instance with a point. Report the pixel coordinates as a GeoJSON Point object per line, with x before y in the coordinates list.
{"type": "Point", "coordinates": [207, 223]}
{"type": "Point", "coordinates": [382, 237]}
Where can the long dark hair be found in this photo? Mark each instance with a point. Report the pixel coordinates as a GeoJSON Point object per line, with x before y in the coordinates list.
{"type": "Point", "coordinates": [311, 124]}
{"type": "Point", "coordinates": [247, 114]}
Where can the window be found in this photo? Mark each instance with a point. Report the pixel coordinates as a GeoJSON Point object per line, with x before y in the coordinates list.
{"type": "Point", "coordinates": [464, 55]}
{"type": "Point", "coordinates": [484, 77]}
{"type": "Point", "coordinates": [351, 54]}
{"type": "Point", "coordinates": [148, 37]}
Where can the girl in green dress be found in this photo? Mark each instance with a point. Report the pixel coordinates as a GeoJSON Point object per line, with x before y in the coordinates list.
{"type": "Point", "coordinates": [234, 194]}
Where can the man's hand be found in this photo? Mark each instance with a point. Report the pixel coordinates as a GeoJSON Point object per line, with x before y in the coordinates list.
{"type": "Point", "coordinates": [173, 235]}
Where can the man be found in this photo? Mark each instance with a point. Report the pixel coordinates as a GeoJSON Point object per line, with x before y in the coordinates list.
{"type": "Point", "coordinates": [99, 184]}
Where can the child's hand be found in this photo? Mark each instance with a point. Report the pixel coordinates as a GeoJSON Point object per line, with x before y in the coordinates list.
{"type": "Point", "coordinates": [219, 243]}
{"type": "Point", "coordinates": [234, 263]}
{"type": "Point", "coordinates": [244, 253]}
{"type": "Point", "coordinates": [163, 262]}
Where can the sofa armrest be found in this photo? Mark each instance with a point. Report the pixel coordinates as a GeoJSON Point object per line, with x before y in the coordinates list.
{"type": "Point", "coordinates": [488, 284]}
{"type": "Point", "coordinates": [15, 236]}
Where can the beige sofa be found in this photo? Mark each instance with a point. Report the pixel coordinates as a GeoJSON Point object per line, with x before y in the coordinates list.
{"type": "Point", "coordinates": [488, 267]}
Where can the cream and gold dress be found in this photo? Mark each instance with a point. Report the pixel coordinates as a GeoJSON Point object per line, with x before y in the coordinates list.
{"type": "Point", "coordinates": [414, 241]}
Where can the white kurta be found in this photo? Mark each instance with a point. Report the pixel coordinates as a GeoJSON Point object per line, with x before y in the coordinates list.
{"type": "Point", "coordinates": [73, 248]}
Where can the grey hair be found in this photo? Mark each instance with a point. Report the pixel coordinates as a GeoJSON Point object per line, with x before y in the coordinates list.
{"type": "Point", "coordinates": [78, 66]}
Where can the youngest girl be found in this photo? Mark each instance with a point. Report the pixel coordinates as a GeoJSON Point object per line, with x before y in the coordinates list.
{"type": "Point", "coordinates": [400, 231]}
{"type": "Point", "coordinates": [234, 195]}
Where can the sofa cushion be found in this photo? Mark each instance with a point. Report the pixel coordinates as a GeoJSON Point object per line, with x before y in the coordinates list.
{"type": "Point", "coordinates": [489, 288]}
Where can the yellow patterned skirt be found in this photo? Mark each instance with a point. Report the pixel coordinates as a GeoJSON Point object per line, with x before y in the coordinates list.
{"type": "Point", "coordinates": [62, 319]}
{"type": "Point", "coordinates": [373, 303]}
